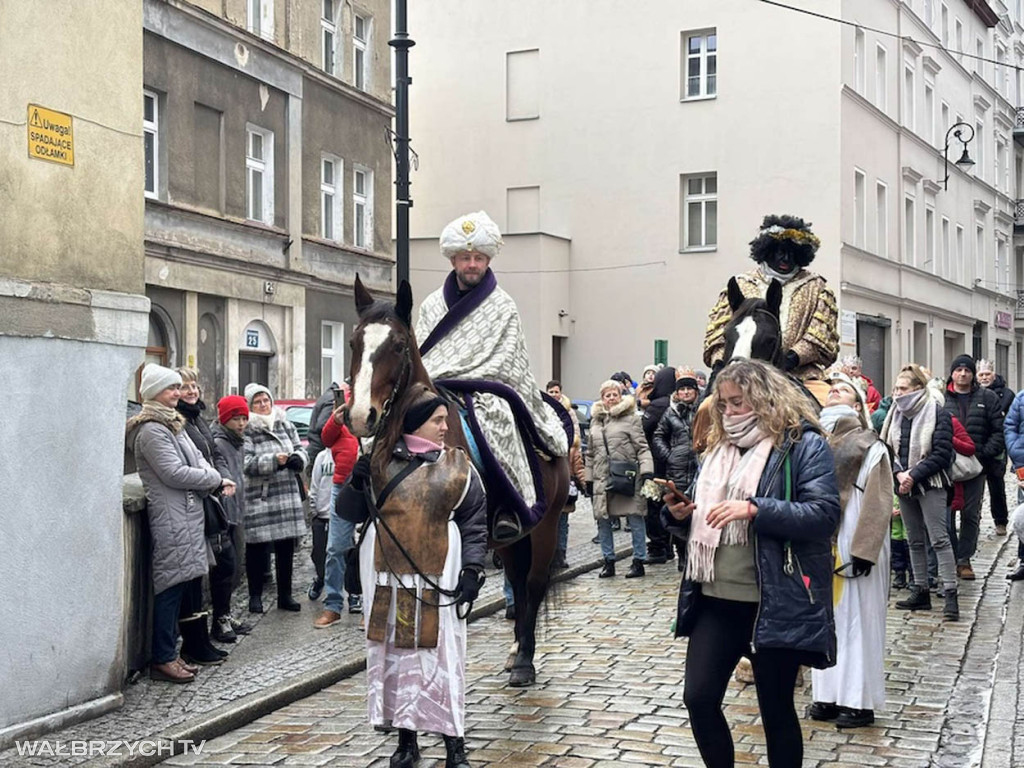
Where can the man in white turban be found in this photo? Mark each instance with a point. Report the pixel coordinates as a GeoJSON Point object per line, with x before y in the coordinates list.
{"type": "Point", "coordinates": [471, 340]}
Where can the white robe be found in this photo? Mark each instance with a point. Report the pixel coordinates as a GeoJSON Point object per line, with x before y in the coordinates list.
{"type": "Point", "coordinates": [489, 345]}
{"type": "Point", "coordinates": [857, 680]}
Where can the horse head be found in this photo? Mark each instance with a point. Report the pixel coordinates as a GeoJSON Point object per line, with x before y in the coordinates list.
{"type": "Point", "coordinates": [385, 359]}
{"type": "Point", "coordinates": [754, 331]}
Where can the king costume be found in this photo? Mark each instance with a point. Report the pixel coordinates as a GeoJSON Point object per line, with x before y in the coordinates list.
{"type": "Point", "coordinates": [472, 344]}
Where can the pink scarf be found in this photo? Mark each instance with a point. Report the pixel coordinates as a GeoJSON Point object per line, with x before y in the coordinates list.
{"type": "Point", "coordinates": [725, 474]}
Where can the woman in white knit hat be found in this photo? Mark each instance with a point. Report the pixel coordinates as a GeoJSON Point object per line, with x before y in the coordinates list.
{"type": "Point", "coordinates": [175, 476]}
{"type": "Point", "coordinates": [274, 518]}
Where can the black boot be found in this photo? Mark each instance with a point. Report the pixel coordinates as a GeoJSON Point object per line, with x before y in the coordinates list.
{"type": "Point", "coordinates": [920, 600]}
{"type": "Point", "coordinates": [608, 571]}
{"type": "Point", "coordinates": [455, 750]}
{"type": "Point", "coordinates": [951, 610]}
{"type": "Point", "coordinates": [195, 642]}
{"type": "Point", "coordinates": [408, 752]}
{"type": "Point", "coordinates": [900, 580]}
{"type": "Point", "coordinates": [1017, 575]}
{"type": "Point", "coordinates": [636, 570]}
{"type": "Point", "coordinates": [559, 562]}
{"type": "Point", "coordinates": [285, 601]}
{"type": "Point", "coordinates": [255, 604]}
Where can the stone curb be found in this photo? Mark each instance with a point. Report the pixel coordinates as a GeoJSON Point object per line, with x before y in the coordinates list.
{"type": "Point", "coordinates": [216, 722]}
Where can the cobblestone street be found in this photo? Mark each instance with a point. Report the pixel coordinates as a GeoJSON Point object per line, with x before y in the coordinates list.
{"type": "Point", "coordinates": [609, 686]}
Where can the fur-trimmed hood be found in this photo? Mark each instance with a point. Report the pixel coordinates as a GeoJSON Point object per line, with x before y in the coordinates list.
{"type": "Point", "coordinates": [154, 412]}
{"type": "Point", "coordinates": [600, 412]}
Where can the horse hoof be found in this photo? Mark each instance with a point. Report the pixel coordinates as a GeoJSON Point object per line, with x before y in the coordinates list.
{"type": "Point", "coordinates": [522, 677]}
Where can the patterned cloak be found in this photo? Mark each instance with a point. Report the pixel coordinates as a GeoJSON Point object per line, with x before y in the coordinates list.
{"type": "Point", "coordinates": [479, 337]}
{"type": "Point", "coordinates": [809, 320]}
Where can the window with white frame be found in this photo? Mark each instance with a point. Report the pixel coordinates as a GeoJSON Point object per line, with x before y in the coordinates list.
{"type": "Point", "coordinates": [362, 208]}
{"type": "Point", "coordinates": [979, 251]}
{"type": "Point", "coordinates": [259, 174]}
{"type": "Point", "coordinates": [944, 22]}
{"type": "Point", "coordinates": [943, 121]}
{"type": "Point", "coordinates": [929, 238]}
{"type": "Point", "coordinates": [859, 63]}
{"type": "Point", "coordinates": [881, 78]}
{"type": "Point", "coordinates": [957, 268]}
{"type": "Point", "coordinates": [699, 212]}
{"type": "Point", "coordinates": [700, 68]}
{"type": "Point", "coordinates": [979, 145]}
{"type": "Point", "coordinates": [151, 142]}
{"type": "Point", "coordinates": [331, 168]}
{"type": "Point", "coordinates": [958, 39]}
{"type": "Point", "coordinates": [909, 235]}
{"type": "Point", "coordinates": [979, 53]}
{"type": "Point", "coordinates": [929, 13]}
{"type": "Point", "coordinates": [908, 96]}
{"type": "Point", "coordinates": [360, 45]}
{"type": "Point", "coordinates": [332, 354]}
{"type": "Point", "coordinates": [328, 36]}
{"type": "Point", "coordinates": [260, 19]}
{"type": "Point", "coordinates": [1002, 165]}
{"type": "Point", "coordinates": [944, 245]}
{"type": "Point", "coordinates": [882, 219]}
{"type": "Point", "coordinates": [1000, 70]}
{"type": "Point", "coordinates": [929, 112]}
{"type": "Point", "coordinates": [1002, 266]}
{"type": "Point", "coordinates": [860, 223]}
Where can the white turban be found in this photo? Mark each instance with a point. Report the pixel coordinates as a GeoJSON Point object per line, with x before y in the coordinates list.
{"type": "Point", "coordinates": [471, 232]}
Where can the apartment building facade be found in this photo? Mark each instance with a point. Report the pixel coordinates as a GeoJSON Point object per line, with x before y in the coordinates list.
{"type": "Point", "coordinates": [650, 146]}
{"type": "Point", "coordinates": [268, 176]}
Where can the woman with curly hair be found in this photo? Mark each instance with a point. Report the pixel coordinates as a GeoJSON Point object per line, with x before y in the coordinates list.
{"type": "Point", "coordinates": [758, 578]}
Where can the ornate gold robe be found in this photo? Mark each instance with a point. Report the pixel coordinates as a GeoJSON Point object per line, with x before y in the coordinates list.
{"type": "Point", "coordinates": [808, 317]}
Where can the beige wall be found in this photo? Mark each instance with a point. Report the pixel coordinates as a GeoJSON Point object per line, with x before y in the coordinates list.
{"type": "Point", "coordinates": [611, 142]}
{"type": "Point", "coordinates": [79, 225]}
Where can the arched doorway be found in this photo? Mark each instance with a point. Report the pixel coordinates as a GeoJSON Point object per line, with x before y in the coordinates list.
{"type": "Point", "coordinates": [161, 343]}
{"type": "Point", "coordinates": [210, 359]}
{"type": "Point", "coordinates": [257, 350]}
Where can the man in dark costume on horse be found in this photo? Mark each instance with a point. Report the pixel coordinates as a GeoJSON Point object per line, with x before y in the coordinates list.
{"type": "Point", "coordinates": [421, 562]}
{"type": "Point", "coordinates": [472, 344]}
{"type": "Point", "coordinates": [783, 249]}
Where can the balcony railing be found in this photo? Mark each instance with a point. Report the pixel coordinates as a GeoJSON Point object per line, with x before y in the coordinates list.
{"type": "Point", "coordinates": [1018, 312]}
{"type": "Point", "coordinates": [1018, 213]}
{"type": "Point", "coordinates": [1019, 123]}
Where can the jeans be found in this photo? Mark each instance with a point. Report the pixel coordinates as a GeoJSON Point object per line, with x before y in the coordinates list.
{"type": "Point", "coordinates": [340, 539]}
{"type": "Point", "coordinates": [720, 636]}
{"type": "Point", "coordinates": [165, 623]}
{"type": "Point", "coordinates": [638, 530]}
{"type": "Point", "coordinates": [510, 598]}
{"type": "Point", "coordinates": [924, 516]}
{"type": "Point", "coordinates": [563, 532]}
{"type": "Point", "coordinates": [970, 519]}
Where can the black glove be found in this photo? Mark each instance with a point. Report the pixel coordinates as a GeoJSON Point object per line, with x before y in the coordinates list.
{"type": "Point", "coordinates": [589, 490]}
{"type": "Point", "coordinates": [861, 567]}
{"type": "Point", "coordinates": [646, 476]}
{"type": "Point", "coordinates": [294, 462]}
{"type": "Point", "coordinates": [470, 581]}
{"type": "Point", "coordinates": [792, 360]}
{"type": "Point", "coordinates": [361, 473]}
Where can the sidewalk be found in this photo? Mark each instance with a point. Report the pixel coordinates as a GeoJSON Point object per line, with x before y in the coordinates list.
{"type": "Point", "coordinates": [284, 659]}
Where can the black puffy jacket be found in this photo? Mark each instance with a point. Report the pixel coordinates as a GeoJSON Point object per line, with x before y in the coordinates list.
{"type": "Point", "coordinates": [982, 417]}
{"type": "Point", "coordinates": [792, 543]}
{"type": "Point", "coordinates": [928, 472]}
{"type": "Point", "coordinates": [661, 399]}
{"type": "Point", "coordinates": [1005, 394]}
{"type": "Point", "coordinates": [672, 445]}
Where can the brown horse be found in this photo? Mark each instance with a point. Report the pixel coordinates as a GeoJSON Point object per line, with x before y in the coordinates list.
{"type": "Point", "coordinates": [387, 375]}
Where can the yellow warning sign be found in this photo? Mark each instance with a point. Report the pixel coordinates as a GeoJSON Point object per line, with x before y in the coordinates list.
{"type": "Point", "coordinates": [50, 136]}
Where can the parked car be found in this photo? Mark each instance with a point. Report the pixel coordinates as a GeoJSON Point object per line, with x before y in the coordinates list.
{"type": "Point", "coordinates": [298, 413]}
{"type": "Point", "coordinates": [582, 408]}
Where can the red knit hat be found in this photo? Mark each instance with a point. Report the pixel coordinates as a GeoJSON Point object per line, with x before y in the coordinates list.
{"type": "Point", "coordinates": [231, 406]}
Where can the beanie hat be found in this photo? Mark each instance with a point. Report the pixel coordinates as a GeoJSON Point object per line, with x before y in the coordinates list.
{"type": "Point", "coordinates": [471, 232]}
{"type": "Point", "coordinates": [963, 361]}
{"type": "Point", "coordinates": [418, 413]}
{"type": "Point", "coordinates": [252, 389]}
{"type": "Point", "coordinates": [231, 406]}
{"type": "Point", "coordinates": [155, 379]}
{"type": "Point", "coordinates": [686, 382]}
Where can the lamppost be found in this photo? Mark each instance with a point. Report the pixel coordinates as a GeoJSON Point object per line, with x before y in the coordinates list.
{"type": "Point", "coordinates": [403, 202]}
{"type": "Point", "coordinates": [965, 162]}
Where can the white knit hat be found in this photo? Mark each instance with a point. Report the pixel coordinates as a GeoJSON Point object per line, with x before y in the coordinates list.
{"type": "Point", "coordinates": [155, 379]}
{"type": "Point", "coordinates": [471, 232]}
{"type": "Point", "coordinates": [252, 389]}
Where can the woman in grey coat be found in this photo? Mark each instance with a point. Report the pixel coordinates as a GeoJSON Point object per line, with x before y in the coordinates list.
{"type": "Point", "coordinates": [616, 434]}
{"type": "Point", "coordinates": [274, 518]}
{"type": "Point", "coordinates": [175, 476]}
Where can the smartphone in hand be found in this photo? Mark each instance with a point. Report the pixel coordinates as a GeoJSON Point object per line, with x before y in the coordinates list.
{"type": "Point", "coordinates": [670, 487]}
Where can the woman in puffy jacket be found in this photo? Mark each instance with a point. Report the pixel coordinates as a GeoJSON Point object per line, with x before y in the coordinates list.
{"type": "Point", "coordinates": [758, 578]}
{"type": "Point", "coordinates": [920, 433]}
{"type": "Point", "coordinates": [617, 435]}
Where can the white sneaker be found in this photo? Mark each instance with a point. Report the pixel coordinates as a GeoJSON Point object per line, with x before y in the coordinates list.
{"type": "Point", "coordinates": [355, 604]}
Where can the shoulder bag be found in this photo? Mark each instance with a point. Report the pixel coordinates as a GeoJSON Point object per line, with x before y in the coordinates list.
{"type": "Point", "coordinates": [621, 474]}
{"type": "Point", "coordinates": [964, 468]}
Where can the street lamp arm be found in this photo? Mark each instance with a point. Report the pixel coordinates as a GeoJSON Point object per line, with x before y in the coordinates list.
{"type": "Point", "coordinates": [957, 130]}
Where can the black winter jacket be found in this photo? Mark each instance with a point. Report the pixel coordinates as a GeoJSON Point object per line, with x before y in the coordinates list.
{"type": "Point", "coordinates": [322, 410]}
{"type": "Point", "coordinates": [792, 543]}
{"type": "Point", "coordinates": [928, 472]}
{"type": "Point", "coordinates": [1005, 394]}
{"type": "Point", "coordinates": [661, 399]}
{"type": "Point", "coordinates": [672, 445]}
{"type": "Point", "coordinates": [982, 417]}
{"type": "Point", "coordinates": [199, 432]}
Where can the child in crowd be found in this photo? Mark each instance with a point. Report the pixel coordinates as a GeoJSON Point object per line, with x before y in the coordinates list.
{"type": "Point", "coordinates": [321, 484]}
{"type": "Point", "coordinates": [900, 552]}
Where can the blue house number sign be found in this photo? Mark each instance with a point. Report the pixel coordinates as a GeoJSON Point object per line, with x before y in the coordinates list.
{"type": "Point", "coordinates": [252, 339]}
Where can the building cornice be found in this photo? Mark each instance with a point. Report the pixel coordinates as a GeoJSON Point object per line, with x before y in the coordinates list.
{"type": "Point", "coordinates": [911, 175]}
{"type": "Point", "coordinates": [983, 11]}
{"type": "Point", "coordinates": [931, 65]}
